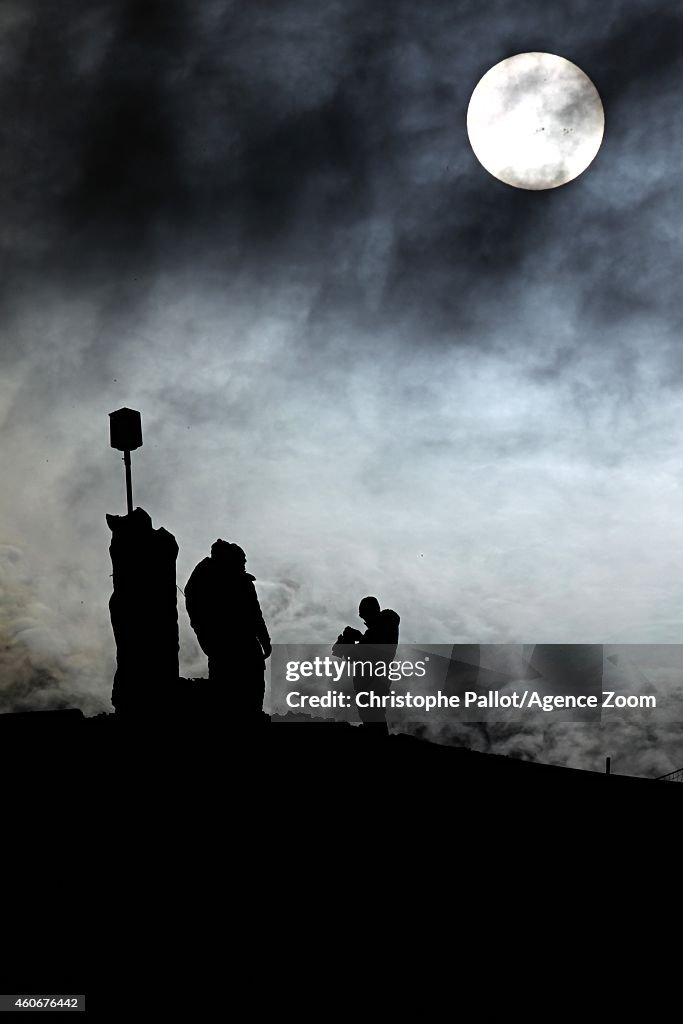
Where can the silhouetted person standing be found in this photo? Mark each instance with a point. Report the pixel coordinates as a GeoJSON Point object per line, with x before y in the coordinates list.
{"type": "Point", "coordinates": [376, 645]}
{"type": "Point", "coordinates": [225, 614]}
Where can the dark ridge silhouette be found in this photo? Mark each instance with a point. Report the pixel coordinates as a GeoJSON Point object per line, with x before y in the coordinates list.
{"type": "Point", "coordinates": [225, 613]}
{"type": "Point", "coordinates": [284, 753]}
{"type": "Point", "coordinates": [378, 645]}
{"type": "Point", "coordinates": [144, 612]}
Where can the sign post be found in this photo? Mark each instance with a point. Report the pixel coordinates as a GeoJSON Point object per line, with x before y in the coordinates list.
{"type": "Point", "coordinates": [125, 432]}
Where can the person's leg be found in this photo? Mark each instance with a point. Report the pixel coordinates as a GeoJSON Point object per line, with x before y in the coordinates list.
{"type": "Point", "coordinates": [374, 719]}
{"type": "Point", "coordinates": [254, 685]}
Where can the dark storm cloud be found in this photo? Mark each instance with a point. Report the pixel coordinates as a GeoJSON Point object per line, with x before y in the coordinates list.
{"type": "Point", "coordinates": [259, 136]}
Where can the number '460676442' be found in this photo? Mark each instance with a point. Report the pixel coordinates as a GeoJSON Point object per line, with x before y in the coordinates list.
{"type": "Point", "coordinates": [46, 1002]}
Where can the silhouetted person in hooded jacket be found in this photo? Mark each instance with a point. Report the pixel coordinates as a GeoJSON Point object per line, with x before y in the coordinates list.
{"type": "Point", "coordinates": [377, 645]}
{"type": "Point", "coordinates": [224, 611]}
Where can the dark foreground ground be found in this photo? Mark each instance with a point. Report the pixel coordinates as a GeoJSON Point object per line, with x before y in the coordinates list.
{"type": "Point", "coordinates": [35, 739]}
{"type": "Point", "coordinates": [181, 861]}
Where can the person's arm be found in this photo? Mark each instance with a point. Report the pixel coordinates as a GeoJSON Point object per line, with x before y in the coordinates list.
{"type": "Point", "coordinates": [192, 598]}
{"type": "Point", "coordinates": [349, 638]}
{"type": "Point", "coordinates": [262, 634]}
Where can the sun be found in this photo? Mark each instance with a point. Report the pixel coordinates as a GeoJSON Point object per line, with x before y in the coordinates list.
{"type": "Point", "coordinates": [535, 121]}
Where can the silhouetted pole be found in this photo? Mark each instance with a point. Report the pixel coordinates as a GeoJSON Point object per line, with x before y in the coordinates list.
{"type": "Point", "coordinates": [608, 766]}
{"type": "Point", "coordinates": [125, 430]}
{"type": "Point", "coordinates": [129, 481]}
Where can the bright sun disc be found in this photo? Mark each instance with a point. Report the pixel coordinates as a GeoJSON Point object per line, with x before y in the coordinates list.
{"type": "Point", "coordinates": [535, 121]}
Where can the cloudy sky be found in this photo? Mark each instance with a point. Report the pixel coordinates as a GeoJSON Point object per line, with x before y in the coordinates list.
{"type": "Point", "coordinates": [355, 352]}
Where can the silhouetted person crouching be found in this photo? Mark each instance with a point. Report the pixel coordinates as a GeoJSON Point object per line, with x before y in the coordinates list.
{"type": "Point", "coordinates": [225, 614]}
{"type": "Point", "coordinates": [376, 646]}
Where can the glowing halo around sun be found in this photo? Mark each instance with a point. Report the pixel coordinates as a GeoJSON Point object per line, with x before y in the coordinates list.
{"type": "Point", "coordinates": [535, 121]}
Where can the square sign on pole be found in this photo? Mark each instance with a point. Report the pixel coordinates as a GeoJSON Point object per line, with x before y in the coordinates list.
{"type": "Point", "coordinates": [125, 432]}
